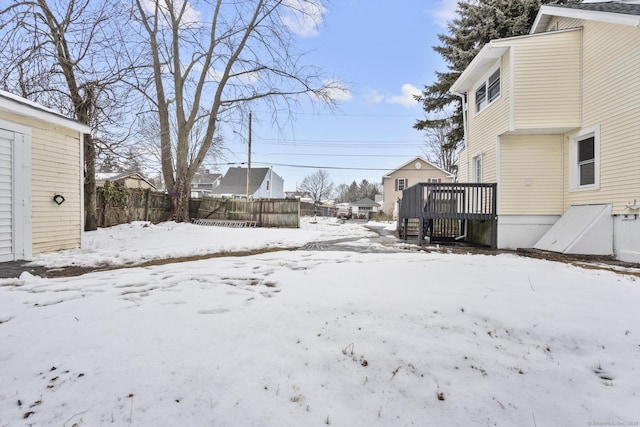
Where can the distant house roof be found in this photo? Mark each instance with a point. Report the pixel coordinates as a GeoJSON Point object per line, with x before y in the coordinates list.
{"type": "Point", "coordinates": [365, 202]}
{"type": "Point", "coordinates": [612, 12]}
{"type": "Point", "coordinates": [235, 181]}
{"type": "Point", "coordinates": [102, 177]}
{"type": "Point", "coordinates": [205, 178]}
{"type": "Point", "coordinates": [422, 159]}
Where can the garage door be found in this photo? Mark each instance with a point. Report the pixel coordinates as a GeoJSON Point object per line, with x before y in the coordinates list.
{"type": "Point", "coordinates": [6, 196]}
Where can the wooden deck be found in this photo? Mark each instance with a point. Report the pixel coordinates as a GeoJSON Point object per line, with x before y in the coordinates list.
{"type": "Point", "coordinates": [443, 211]}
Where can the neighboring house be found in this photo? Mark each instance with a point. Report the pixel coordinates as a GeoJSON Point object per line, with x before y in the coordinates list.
{"type": "Point", "coordinates": [41, 180]}
{"type": "Point", "coordinates": [364, 207]}
{"type": "Point", "coordinates": [129, 179]}
{"type": "Point", "coordinates": [412, 172]}
{"type": "Point", "coordinates": [553, 118]}
{"type": "Point", "coordinates": [204, 183]}
{"type": "Point", "coordinates": [264, 184]}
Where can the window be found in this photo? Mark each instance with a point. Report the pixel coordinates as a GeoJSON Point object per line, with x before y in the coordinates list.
{"type": "Point", "coordinates": [401, 184]}
{"type": "Point", "coordinates": [494, 86]}
{"type": "Point", "coordinates": [584, 157]}
{"type": "Point", "coordinates": [586, 161]}
{"type": "Point", "coordinates": [481, 98]}
{"type": "Point", "coordinates": [434, 180]}
{"type": "Point", "coordinates": [477, 168]}
{"type": "Point", "coordinates": [488, 91]}
{"type": "Point", "coordinates": [267, 185]}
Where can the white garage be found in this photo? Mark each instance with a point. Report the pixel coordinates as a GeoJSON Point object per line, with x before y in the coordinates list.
{"type": "Point", "coordinates": [41, 179]}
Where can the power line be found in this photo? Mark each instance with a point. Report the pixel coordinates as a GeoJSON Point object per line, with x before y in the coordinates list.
{"type": "Point", "coordinates": [334, 155]}
{"type": "Point", "coordinates": [320, 167]}
{"type": "Point", "coordinates": [347, 141]}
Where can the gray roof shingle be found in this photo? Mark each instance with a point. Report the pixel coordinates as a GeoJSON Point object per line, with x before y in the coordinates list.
{"type": "Point", "coordinates": [607, 7]}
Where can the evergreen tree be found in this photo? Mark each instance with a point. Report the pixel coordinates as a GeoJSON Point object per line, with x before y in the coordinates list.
{"type": "Point", "coordinates": [477, 22]}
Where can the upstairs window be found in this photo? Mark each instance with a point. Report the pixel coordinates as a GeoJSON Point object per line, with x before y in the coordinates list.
{"type": "Point", "coordinates": [488, 91]}
{"type": "Point", "coordinates": [401, 184]}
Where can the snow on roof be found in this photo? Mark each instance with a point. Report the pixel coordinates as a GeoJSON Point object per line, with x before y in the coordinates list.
{"type": "Point", "coordinates": [16, 104]}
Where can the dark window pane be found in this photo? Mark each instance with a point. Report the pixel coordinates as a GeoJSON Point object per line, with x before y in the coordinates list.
{"type": "Point", "coordinates": [494, 85]}
{"type": "Point", "coordinates": [585, 149]}
{"type": "Point", "coordinates": [587, 174]}
{"type": "Point", "coordinates": [481, 96]}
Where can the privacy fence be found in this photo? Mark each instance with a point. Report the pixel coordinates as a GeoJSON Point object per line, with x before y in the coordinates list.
{"type": "Point", "coordinates": [117, 204]}
{"type": "Point", "coordinates": [282, 213]}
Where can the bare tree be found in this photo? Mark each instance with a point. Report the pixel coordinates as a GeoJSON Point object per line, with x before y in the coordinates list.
{"type": "Point", "coordinates": [209, 60]}
{"type": "Point", "coordinates": [318, 185]}
{"type": "Point", "coordinates": [438, 146]}
{"type": "Point", "coordinates": [61, 53]}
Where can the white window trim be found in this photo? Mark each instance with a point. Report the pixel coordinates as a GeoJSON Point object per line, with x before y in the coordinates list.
{"type": "Point", "coordinates": [574, 170]}
{"type": "Point", "coordinates": [485, 81]}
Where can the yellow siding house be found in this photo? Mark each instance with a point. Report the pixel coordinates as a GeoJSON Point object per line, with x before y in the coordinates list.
{"type": "Point", "coordinates": [41, 179]}
{"type": "Point", "coordinates": [553, 118]}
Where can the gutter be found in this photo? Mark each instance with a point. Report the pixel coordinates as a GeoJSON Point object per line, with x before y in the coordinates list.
{"type": "Point", "coordinates": [464, 127]}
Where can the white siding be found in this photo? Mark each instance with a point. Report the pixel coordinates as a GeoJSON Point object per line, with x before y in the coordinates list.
{"type": "Point", "coordinates": [6, 195]}
{"type": "Point", "coordinates": [530, 175]}
{"type": "Point", "coordinates": [612, 101]}
{"type": "Point", "coordinates": [484, 127]}
{"type": "Point", "coordinates": [547, 81]}
{"type": "Point", "coordinates": [55, 169]}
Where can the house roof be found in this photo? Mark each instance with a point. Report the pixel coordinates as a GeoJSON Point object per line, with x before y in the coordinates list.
{"type": "Point", "coordinates": [205, 178]}
{"type": "Point", "coordinates": [18, 105]}
{"type": "Point", "coordinates": [615, 12]}
{"type": "Point", "coordinates": [102, 177]}
{"type": "Point", "coordinates": [422, 159]}
{"type": "Point", "coordinates": [365, 202]}
{"type": "Point", "coordinates": [235, 181]}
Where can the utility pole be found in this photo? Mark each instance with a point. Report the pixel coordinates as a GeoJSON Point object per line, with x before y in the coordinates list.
{"type": "Point", "coordinates": [249, 158]}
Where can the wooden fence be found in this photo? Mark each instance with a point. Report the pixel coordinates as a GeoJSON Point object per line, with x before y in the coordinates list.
{"type": "Point", "coordinates": [282, 213]}
{"type": "Point", "coordinates": [117, 204]}
{"type": "Point", "coordinates": [120, 205]}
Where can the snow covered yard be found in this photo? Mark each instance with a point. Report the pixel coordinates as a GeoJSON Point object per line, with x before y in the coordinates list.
{"type": "Point", "coordinates": [304, 338]}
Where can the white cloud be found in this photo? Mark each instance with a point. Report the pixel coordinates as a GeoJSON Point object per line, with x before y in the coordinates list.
{"type": "Point", "coordinates": [406, 99]}
{"type": "Point", "coordinates": [303, 17]}
{"type": "Point", "coordinates": [337, 91]}
{"type": "Point", "coordinates": [374, 97]}
{"type": "Point", "coordinates": [445, 12]}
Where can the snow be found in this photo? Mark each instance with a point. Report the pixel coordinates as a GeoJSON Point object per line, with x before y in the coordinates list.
{"type": "Point", "coordinates": [315, 337]}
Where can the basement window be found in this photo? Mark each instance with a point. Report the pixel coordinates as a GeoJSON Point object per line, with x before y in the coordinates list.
{"type": "Point", "coordinates": [584, 156]}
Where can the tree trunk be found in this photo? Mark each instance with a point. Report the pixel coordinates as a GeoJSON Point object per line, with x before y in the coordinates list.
{"type": "Point", "coordinates": [90, 197]}
{"type": "Point", "coordinates": [180, 201]}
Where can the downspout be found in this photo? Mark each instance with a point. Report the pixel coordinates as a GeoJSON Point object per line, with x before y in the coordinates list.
{"type": "Point", "coordinates": [463, 97]}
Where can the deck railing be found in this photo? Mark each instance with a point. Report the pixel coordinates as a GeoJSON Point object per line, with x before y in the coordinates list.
{"type": "Point", "coordinates": [442, 209]}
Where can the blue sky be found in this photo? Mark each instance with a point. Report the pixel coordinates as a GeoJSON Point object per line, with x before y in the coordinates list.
{"type": "Point", "coordinates": [382, 52]}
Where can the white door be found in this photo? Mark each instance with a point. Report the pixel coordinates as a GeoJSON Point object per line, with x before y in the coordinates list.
{"type": "Point", "coordinates": [6, 195]}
